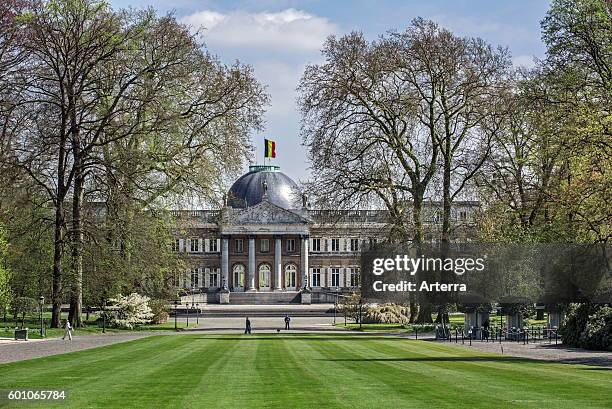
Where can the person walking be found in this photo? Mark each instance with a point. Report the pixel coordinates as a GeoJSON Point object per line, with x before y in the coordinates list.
{"type": "Point", "coordinates": [247, 328]}
{"type": "Point", "coordinates": [287, 320]}
{"type": "Point", "coordinates": [67, 331]}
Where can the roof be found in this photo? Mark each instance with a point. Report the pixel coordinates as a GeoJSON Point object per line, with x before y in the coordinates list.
{"type": "Point", "coordinates": [261, 180]}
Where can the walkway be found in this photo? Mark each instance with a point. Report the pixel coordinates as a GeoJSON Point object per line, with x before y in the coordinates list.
{"type": "Point", "coordinates": [20, 350]}
{"type": "Point", "coordinates": [543, 351]}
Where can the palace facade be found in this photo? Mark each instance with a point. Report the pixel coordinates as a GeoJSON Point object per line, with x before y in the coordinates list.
{"type": "Point", "coordinates": [266, 245]}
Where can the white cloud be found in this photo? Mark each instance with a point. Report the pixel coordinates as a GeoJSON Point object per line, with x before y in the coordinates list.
{"type": "Point", "coordinates": [288, 30]}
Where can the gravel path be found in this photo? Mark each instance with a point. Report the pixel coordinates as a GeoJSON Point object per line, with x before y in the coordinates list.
{"type": "Point", "coordinates": [542, 351]}
{"type": "Point", "coordinates": [21, 350]}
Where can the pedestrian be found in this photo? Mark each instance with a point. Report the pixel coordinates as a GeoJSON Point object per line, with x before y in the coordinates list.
{"type": "Point", "coordinates": [67, 331]}
{"type": "Point", "coordinates": [287, 319]}
{"type": "Point", "coordinates": [247, 328]}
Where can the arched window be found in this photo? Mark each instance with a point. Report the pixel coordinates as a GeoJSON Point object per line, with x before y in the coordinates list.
{"type": "Point", "coordinates": [264, 276]}
{"type": "Point", "coordinates": [290, 276]}
{"type": "Point", "coordinates": [239, 270]}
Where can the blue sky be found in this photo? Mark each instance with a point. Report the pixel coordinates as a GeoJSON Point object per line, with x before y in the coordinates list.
{"type": "Point", "coordinates": [279, 37]}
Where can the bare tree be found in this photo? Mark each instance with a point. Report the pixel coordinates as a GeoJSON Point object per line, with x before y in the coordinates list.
{"type": "Point", "coordinates": [458, 83]}
{"type": "Point", "coordinates": [365, 141]}
{"type": "Point", "coordinates": [369, 138]}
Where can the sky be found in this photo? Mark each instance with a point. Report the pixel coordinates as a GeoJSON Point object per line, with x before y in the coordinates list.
{"type": "Point", "coordinates": [280, 37]}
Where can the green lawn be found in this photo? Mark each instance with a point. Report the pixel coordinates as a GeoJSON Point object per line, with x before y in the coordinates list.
{"type": "Point", "coordinates": [305, 371]}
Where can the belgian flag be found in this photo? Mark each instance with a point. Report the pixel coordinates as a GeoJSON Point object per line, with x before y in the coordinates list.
{"type": "Point", "coordinates": [270, 149]}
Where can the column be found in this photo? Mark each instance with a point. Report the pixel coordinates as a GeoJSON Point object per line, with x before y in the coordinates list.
{"type": "Point", "coordinates": [304, 248]}
{"type": "Point", "coordinates": [224, 262]}
{"type": "Point", "coordinates": [278, 262]}
{"type": "Point", "coordinates": [250, 282]}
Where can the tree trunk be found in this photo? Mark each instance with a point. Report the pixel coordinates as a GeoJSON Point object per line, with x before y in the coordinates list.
{"type": "Point", "coordinates": [447, 204]}
{"type": "Point", "coordinates": [58, 250]}
{"type": "Point", "coordinates": [424, 310]}
{"type": "Point", "coordinates": [414, 311]}
{"type": "Point", "coordinates": [76, 298]}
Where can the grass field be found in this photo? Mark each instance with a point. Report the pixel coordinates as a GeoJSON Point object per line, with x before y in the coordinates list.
{"type": "Point", "coordinates": [305, 371]}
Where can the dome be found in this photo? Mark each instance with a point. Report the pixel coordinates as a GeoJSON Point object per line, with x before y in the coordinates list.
{"type": "Point", "coordinates": [280, 189]}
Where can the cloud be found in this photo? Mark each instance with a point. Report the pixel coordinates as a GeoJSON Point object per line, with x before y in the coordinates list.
{"type": "Point", "coordinates": [288, 30]}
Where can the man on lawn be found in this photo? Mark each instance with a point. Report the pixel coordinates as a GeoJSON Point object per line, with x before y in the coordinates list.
{"type": "Point", "coordinates": [287, 319]}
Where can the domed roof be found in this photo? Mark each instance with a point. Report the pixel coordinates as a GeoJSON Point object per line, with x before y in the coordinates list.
{"type": "Point", "coordinates": [279, 188]}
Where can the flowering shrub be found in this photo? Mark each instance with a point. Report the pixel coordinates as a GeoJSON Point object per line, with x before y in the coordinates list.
{"type": "Point", "coordinates": [387, 314]}
{"type": "Point", "coordinates": [128, 311]}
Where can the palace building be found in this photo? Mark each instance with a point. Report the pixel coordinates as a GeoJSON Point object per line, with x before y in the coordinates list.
{"type": "Point", "coordinates": [266, 245]}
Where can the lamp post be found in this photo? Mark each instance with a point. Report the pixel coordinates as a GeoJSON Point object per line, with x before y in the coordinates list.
{"type": "Point", "coordinates": [187, 308]}
{"type": "Point", "coordinates": [198, 314]}
{"type": "Point", "coordinates": [175, 313]}
{"type": "Point", "coordinates": [42, 325]}
{"type": "Point", "coordinates": [360, 319]}
{"type": "Point", "coordinates": [104, 316]}
{"type": "Point", "coordinates": [335, 307]}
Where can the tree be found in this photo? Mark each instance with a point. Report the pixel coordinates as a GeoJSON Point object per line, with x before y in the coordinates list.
{"type": "Point", "coordinates": [6, 294]}
{"type": "Point", "coordinates": [457, 84]}
{"type": "Point", "coordinates": [578, 69]}
{"type": "Point", "coordinates": [97, 77]}
{"type": "Point", "coordinates": [363, 133]}
{"type": "Point", "coordinates": [370, 138]}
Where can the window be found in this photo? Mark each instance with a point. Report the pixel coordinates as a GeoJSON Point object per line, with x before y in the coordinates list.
{"type": "Point", "coordinates": [213, 246]}
{"type": "Point", "coordinates": [335, 244]}
{"type": "Point", "coordinates": [195, 245]}
{"type": "Point", "coordinates": [354, 244]}
{"type": "Point", "coordinates": [290, 245]}
{"type": "Point", "coordinates": [316, 245]}
{"type": "Point", "coordinates": [176, 245]}
{"type": "Point", "coordinates": [264, 245]}
{"type": "Point", "coordinates": [264, 276]}
{"type": "Point", "coordinates": [239, 245]}
{"type": "Point", "coordinates": [290, 276]}
{"type": "Point", "coordinates": [463, 215]}
{"type": "Point", "coordinates": [213, 278]}
{"type": "Point", "coordinates": [239, 275]}
{"type": "Point", "coordinates": [316, 277]}
{"type": "Point", "coordinates": [354, 279]}
{"type": "Point", "coordinates": [195, 279]}
{"type": "Point", "coordinates": [335, 277]}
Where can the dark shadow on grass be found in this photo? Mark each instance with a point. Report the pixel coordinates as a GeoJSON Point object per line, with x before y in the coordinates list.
{"type": "Point", "coordinates": [596, 368]}
{"type": "Point", "coordinates": [275, 337]}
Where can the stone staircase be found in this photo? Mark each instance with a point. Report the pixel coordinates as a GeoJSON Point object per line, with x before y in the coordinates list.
{"type": "Point", "coordinates": [265, 298]}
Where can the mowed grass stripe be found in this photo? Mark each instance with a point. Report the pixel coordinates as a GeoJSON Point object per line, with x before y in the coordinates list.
{"type": "Point", "coordinates": [566, 385]}
{"type": "Point", "coordinates": [404, 385]}
{"type": "Point", "coordinates": [147, 374]}
{"type": "Point", "coordinates": [305, 371]}
{"type": "Point", "coordinates": [394, 359]}
{"type": "Point", "coordinates": [167, 378]}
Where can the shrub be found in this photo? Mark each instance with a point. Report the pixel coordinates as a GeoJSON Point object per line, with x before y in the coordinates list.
{"type": "Point", "coordinates": [22, 306]}
{"type": "Point", "coordinates": [349, 305]}
{"type": "Point", "coordinates": [588, 326]}
{"type": "Point", "coordinates": [159, 310]}
{"type": "Point", "coordinates": [598, 331]}
{"type": "Point", "coordinates": [387, 314]}
{"type": "Point", "coordinates": [128, 311]}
